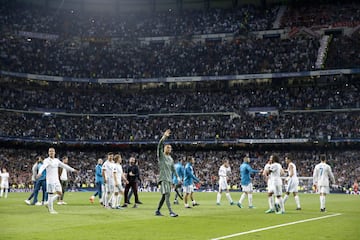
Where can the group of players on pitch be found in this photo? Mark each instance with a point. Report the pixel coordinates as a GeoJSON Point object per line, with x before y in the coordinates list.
{"type": "Point", "coordinates": [272, 172]}
{"type": "Point", "coordinates": [182, 179]}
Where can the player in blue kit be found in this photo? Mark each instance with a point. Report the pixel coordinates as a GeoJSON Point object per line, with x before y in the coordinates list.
{"type": "Point", "coordinates": [246, 184]}
{"type": "Point", "coordinates": [179, 169]}
{"type": "Point", "coordinates": [189, 179]}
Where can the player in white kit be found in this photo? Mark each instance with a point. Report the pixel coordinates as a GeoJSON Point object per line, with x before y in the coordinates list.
{"type": "Point", "coordinates": [269, 186]}
{"type": "Point", "coordinates": [108, 170]}
{"type": "Point", "coordinates": [224, 173]}
{"type": "Point", "coordinates": [119, 178]}
{"type": "Point", "coordinates": [321, 176]}
{"type": "Point", "coordinates": [275, 171]}
{"type": "Point", "coordinates": [4, 179]}
{"type": "Point", "coordinates": [292, 182]}
{"type": "Point", "coordinates": [53, 186]}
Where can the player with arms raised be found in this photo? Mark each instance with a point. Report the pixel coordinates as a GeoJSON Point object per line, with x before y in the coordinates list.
{"type": "Point", "coordinates": [166, 168]}
{"type": "Point", "coordinates": [53, 186]}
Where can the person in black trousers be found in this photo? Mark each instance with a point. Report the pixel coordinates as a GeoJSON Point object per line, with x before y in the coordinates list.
{"type": "Point", "coordinates": [132, 174]}
{"type": "Point", "coordinates": [139, 184]}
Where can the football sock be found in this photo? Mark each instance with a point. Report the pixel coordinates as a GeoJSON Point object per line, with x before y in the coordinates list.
{"type": "Point", "coordinates": [120, 196]}
{"type": "Point", "coordinates": [281, 203]}
{"type": "Point", "coordinates": [113, 201]}
{"type": "Point", "coordinates": [52, 199]}
{"type": "Point", "coordinates": [110, 200]}
{"type": "Point", "coordinates": [297, 201]}
{"type": "Point", "coordinates": [218, 197]}
{"type": "Point", "coordinates": [161, 202]}
{"type": "Point", "coordinates": [106, 199]}
{"type": "Point", "coordinates": [167, 201]}
{"type": "Point", "coordinates": [322, 202]}
{"type": "Point", "coordinates": [271, 202]}
{"type": "Point", "coordinates": [242, 198]}
{"type": "Point", "coordinates": [228, 196]}
{"type": "Point", "coordinates": [250, 197]}
{"type": "Point", "coordinates": [286, 198]}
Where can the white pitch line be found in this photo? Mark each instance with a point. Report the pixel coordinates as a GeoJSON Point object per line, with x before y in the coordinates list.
{"type": "Point", "coordinates": [276, 226]}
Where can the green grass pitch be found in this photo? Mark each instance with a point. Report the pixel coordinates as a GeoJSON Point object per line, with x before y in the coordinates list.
{"type": "Point", "coordinates": [82, 220]}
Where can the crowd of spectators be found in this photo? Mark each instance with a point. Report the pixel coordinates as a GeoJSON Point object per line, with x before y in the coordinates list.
{"type": "Point", "coordinates": [180, 58]}
{"type": "Point", "coordinates": [246, 18]}
{"type": "Point", "coordinates": [106, 113]}
{"type": "Point", "coordinates": [323, 15]}
{"type": "Point", "coordinates": [69, 56]}
{"type": "Point", "coordinates": [344, 163]}
{"type": "Point", "coordinates": [129, 26]}
{"type": "Point", "coordinates": [64, 57]}
{"type": "Point", "coordinates": [341, 55]}
{"type": "Point", "coordinates": [340, 93]}
{"type": "Point", "coordinates": [321, 126]}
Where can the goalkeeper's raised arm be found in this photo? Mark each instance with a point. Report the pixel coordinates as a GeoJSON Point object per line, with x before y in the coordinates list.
{"type": "Point", "coordinates": [160, 148]}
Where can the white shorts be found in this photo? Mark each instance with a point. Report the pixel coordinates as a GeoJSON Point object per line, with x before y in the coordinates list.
{"type": "Point", "coordinates": [109, 188]}
{"type": "Point", "coordinates": [324, 189]}
{"type": "Point", "coordinates": [277, 190]}
{"type": "Point", "coordinates": [223, 184]}
{"type": "Point", "coordinates": [119, 188]}
{"type": "Point", "coordinates": [270, 187]}
{"type": "Point", "coordinates": [53, 187]}
{"type": "Point", "coordinates": [247, 188]}
{"type": "Point", "coordinates": [4, 185]}
{"type": "Point", "coordinates": [188, 189]}
{"type": "Point", "coordinates": [292, 186]}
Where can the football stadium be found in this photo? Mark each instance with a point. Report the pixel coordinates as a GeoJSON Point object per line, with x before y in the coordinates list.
{"type": "Point", "coordinates": [179, 119]}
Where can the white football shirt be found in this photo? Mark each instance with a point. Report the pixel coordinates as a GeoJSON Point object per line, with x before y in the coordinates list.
{"type": "Point", "coordinates": [224, 171]}
{"type": "Point", "coordinates": [275, 173]}
{"type": "Point", "coordinates": [52, 165]}
{"type": "Point", "coordinates": [322, 173]}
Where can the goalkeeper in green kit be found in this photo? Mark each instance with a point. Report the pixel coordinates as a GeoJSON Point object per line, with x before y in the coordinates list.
{"type": "Point", "coordinates": [166, 168]}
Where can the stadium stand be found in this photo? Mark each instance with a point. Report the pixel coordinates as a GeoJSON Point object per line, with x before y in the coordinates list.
{"type": "Point", "coordinates": [210, 119]}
